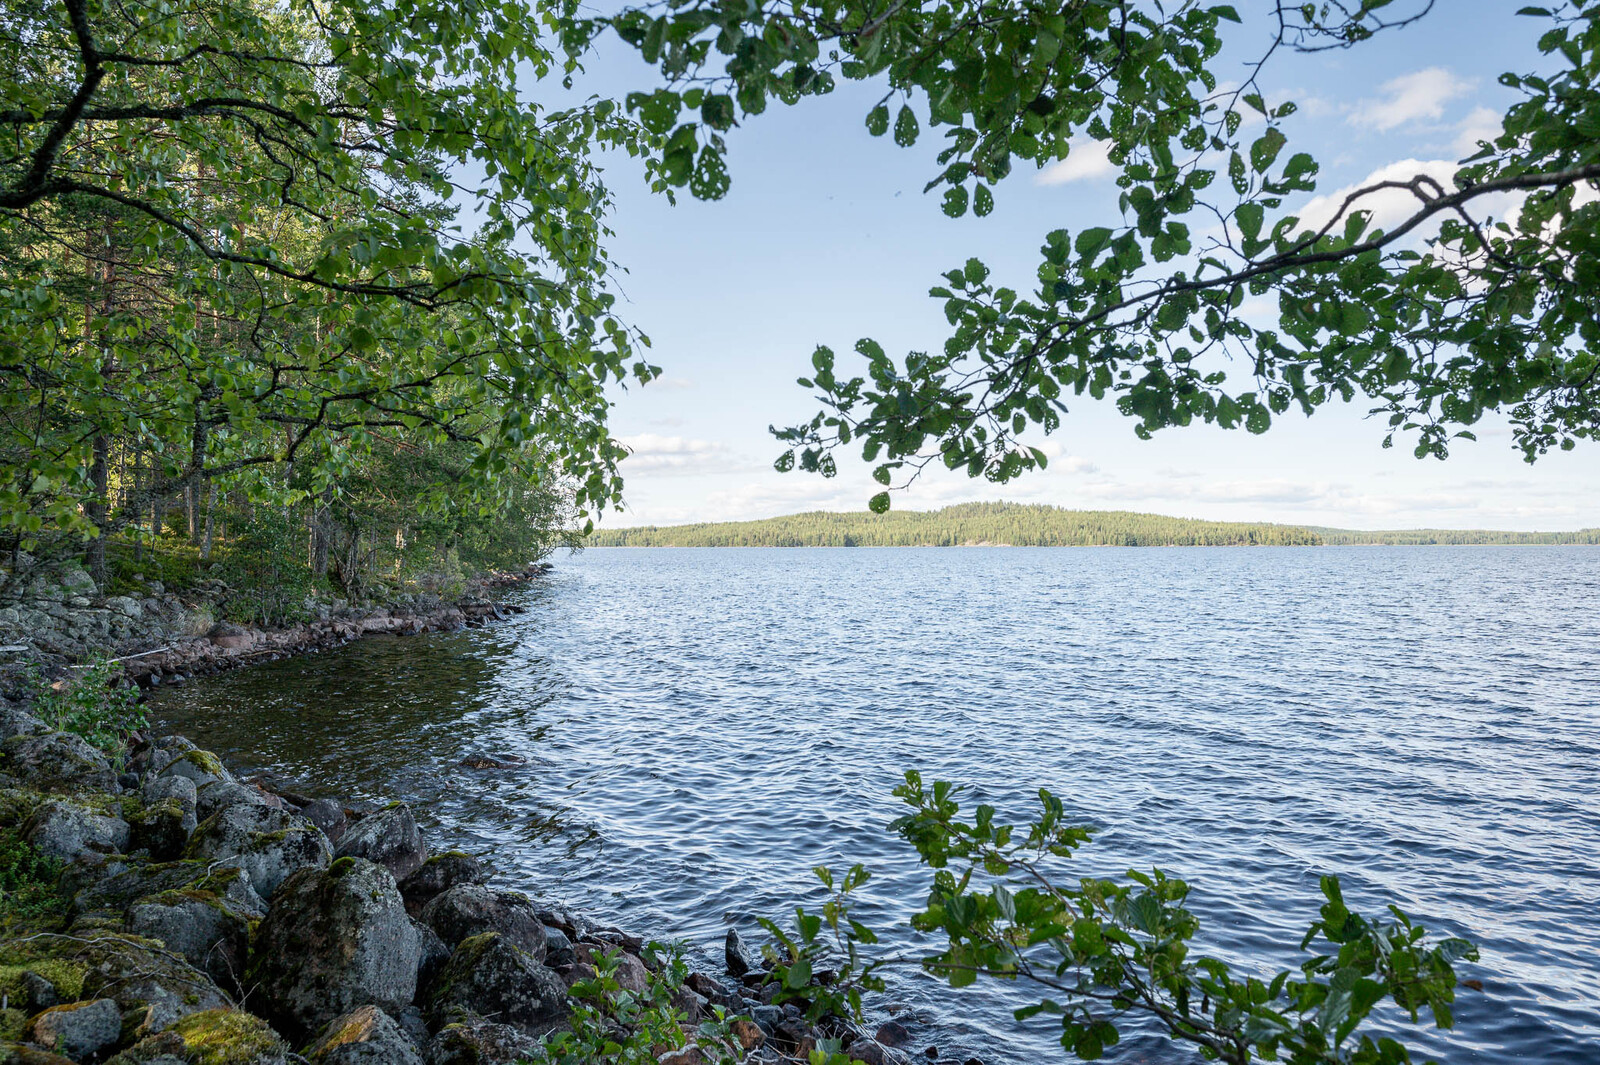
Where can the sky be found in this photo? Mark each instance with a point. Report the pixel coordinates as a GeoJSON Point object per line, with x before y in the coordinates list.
{"type": "Point", "coordinates": [826, 237]}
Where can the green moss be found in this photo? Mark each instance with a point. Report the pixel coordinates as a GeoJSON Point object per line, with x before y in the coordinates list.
{"type": "Point", "coordinates": [227, 1037]}
{"type": "Point", "coordinates": [64, 973]}
{"type": "Point", "coordinates": [204, 761]}
{"type": "Point", "coordinates": [342, 866]}
{"type": "Point", "coordinates": [12, 1021]}
{"type": "Point", "coordinates": [30, 895]}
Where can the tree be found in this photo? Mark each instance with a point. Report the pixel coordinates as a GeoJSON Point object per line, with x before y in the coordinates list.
{"type": "Point", "coordinates": [1446, 316]}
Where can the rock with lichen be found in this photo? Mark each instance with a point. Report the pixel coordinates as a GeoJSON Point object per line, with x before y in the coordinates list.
{"type": "Point", "coordinates": [269, 844]}
{"type": "Point", "coordinates": [439, 874]}
{"type": "Point", "coordinates": [389, 837]}
{"type": "Point", "coordinates": [471, 909]}
{"type": "Point", "coordinates": [202, 767]}
{"type": "Point", "coordinates": [211, 931]}
{"type": "Point", "coordinates": [334, 939]}
{"type": "Point", "coordinates": [491, 976]}
{"type": "Point", "coordinates": [473, 1040]}
{"type": "Point", "coordinates": [80, 1030]}
{"type": "Point", "coordinates": [69, 830]}
{"type": "Point", "coordinates": [366, 1036]}
{"type": "Point", "coordinates": [58, 762]}
{"type": "Point", "coordinates": [212, 1037]}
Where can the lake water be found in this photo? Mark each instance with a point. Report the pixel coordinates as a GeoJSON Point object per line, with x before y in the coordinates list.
{"type": "Point", "coordinates": [703, 726]}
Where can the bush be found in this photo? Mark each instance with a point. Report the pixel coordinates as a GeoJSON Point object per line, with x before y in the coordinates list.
{"type": "Point", "coordinates": [28, 879]}
{"type": "Point", "coordinates": [93, 706]}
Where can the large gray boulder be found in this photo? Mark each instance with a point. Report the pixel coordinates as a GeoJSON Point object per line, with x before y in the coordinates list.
{"type": "Point", "coordinates": [58, 762]}
{"type": "Point", "coordinates": [67, 831]}
{"type": "Point", "coordinates": [335, 939]}
{"type": "Point", "coordinates": [389, 837]}
{"type": "Point", "coordinates": [268, 844]}
{"type": "Point", "coordinates": [439, 874]}
{"type": "Point", "coordinates": [472, 1040]}
{"type": "Point", "coordinates": [219, 794]}
{"type": "Point", "coordinates": [366, 1036]}
{"type": "Point", "coordinates": [472, 909]}
{"type": "Point", "coordinates": [141, 974]}
{"type": "Point", "coordinates": [211, 931]}
{"type": "Point", "coordinates": [202, 767]}
{"type": "Point", "coordinates": [489, 976]}
{"type": "Point", "coordinates": [79, 1030]}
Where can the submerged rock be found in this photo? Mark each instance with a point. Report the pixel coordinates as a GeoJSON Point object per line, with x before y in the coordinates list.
{"type": "Point", "coordinates": [389, 837]}
{"type": "Point", "coordinates": [334, 939]}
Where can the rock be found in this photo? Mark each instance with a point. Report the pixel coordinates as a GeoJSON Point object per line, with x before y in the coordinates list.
{"type": "Point", "coordinates": [126, 606]}
{"type": "Point", "coordinates": [366, 1035]}
{"type": "Point", "coordinates": [326, 815]}
{"type": "Point", "coordinates": [211, 934]}
{"type": "Point", "coordinates": [741, 962]}
{"type": "Point", "coordinates": [471, 909]}
{"type": "Point", "coordinates": [66, 831]}
{"type": "Point", "coordinates": [690, 1055]}
{"type": "Point", "coordinates": [221, 794]}
{"type": "Point", "coordinates": [78, 1030]}
{"type": "Point", "coordinates": [439, 874]}
{"type": "Point", "coordinates": [472, 1040]}
{"type": "Point", "coordinates": [872, 1052]}
{"type": "Point", "coordinates": [558, 948]}
{"type": "Point", "coordinates": [112, 893]}
{"type": "Point", "coordinates": [490, 976]}
{"type": "Point", "coordinates": [334, 939]}
{"type": "Point", "coordinates": [748, 1034]}
{"type": "Point", "coordinates": [268, 844]}
{"type": "Point", "coordinates": [14, 721]}
{"type": "Point", "coordinates": [202, 767]}
{"type": "Point", "coordinates": [389, 837]}
{"type": "Point", "coordinates": [694, 1007]}
{"type": "Point", "coordinates": [42, 994]}
{"type": "Point", "coordinates": [21, 1054]}
{"type": "Point", "coordinates": [140, 975]}
{"type": "Point", "coordinates": [162, 829]}
{"type": "Point", "coordinates": [893, 1034]}
{"type": "Point", "coordinates": [58, 762]}
{"type": "Point", "coordinates": [435, 953]}
{"type": "Point", "coordinates": [415, 1026]}
{"type": "Point", "coordinates": [630, 973]}
{"type": "Point", "coordinates": [76, 581]}
{"type": "Point", "coordinates": [212, 1037]}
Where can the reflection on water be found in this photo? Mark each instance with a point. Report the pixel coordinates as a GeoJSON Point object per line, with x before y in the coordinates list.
{"type": "Point", "coordinates": [699, 728]}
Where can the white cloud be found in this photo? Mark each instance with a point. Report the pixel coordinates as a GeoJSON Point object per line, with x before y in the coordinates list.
{"type": "Point", "coordinates": [1484, 124]}
{"type": "Point", "coordinates": [1387, 206]}
{"type": "Point", "coordinates": [651, 452]}
{"type": "Point", "coordinates": [1086, 161]}
{"type": "Point", "coordinates": [1420, 95]}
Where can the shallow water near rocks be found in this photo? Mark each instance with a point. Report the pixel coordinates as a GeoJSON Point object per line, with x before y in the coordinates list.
{"type": "Point", "coordinates": [700, 727]}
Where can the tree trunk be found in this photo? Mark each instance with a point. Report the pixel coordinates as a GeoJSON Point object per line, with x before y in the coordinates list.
{"type": "Point", "coordinates": [321, 533]}
{"type": "Point", "coordinates": [211, 511]}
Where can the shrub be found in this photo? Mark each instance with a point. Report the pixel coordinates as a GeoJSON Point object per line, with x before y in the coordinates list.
{"type": "Point", "coordinates": [93, 706]}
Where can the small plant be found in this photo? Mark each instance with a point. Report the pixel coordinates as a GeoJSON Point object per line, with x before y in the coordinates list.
{"type": "Point", "coordinates": [1105, 953]}
{"type": "Point", "coordinates": [28, 892]}
{"type": "Point", "coordinates": [92, 706]}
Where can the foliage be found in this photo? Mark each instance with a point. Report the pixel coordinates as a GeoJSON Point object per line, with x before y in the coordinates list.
{"type": "Point", "coordinates": [1453, 312]}
{"type": "Point", "coordinates": [1106, 954]}
{"type": "Point", "coordinates": [824, 970]}
{"type": "Point", "coordinates": [28, 892]}
{"type": "Point", "coordinates": [267, 575]}
{"type": "Point", "coordinates": [1015, 524]}
{"type": "Point", "coordinates": [1420, 537]}
{"type": "Point", "coordinates": [93, 705]}
{"type": "Point", "coordinates": [609, 1023]}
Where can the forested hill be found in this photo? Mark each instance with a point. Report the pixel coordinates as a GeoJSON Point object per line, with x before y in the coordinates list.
{"type": "Point", "coordinates": [1012, 524]}
{"type": "Point", "coordinates": [1461, 537]}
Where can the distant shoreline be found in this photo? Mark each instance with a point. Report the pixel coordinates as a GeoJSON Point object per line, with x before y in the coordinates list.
{"type": "Point", "coordinates": [1032, 525]}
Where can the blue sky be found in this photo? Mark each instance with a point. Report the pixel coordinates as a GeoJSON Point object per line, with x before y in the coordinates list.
{"type": "Point", "coordinates": [826, 237]}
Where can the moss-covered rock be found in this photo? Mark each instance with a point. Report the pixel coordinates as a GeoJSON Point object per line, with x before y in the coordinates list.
{"type": "Point", "coordinates": [389, 837]}
{"type": "Point", "coordinates": [439, 874]}
{"type": "Point", "coordinates": [80, 1030]}
{"type": "Point", "coordinates": [142, 973]}
{"type": "Point", "coordinates": [21, 1054]}
{"type": "Point", "coordinates": [57, 762]}
{"type": "Point", "coordinates": [110, 896]}
{"type": "Point", "coordinates": [333, 940]}
{"type": "Point", "coordinates": [211, 1037]}
{"type": "Point", "coordinates": [68, 830]}
{"type": "Point", "coordinates": [366, 1036]}
{"type": "Point", "coordinates": [269, 844]}
{"type": "Point", "coordinates": [208, 929]}
{"type": "Point", "coordinates": [472, 909]}
{"type": "Point", "coordinates": [489, 975]}
{"type": "Point", "coordinates": [161, 829]}
{"type": "Point", "coordinates": [202, 767]}
{"type": "Point", "coordinates": [472, 1040]}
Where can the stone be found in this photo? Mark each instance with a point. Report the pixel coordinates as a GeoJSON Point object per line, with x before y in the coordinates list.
{"type": "Point", "coordinates": [694, 1007]}
{"type": "Point", "coordinates": [630, 973]}
{"type": "Point", "coordinates": [389, 837]}
{"type": "Point", "coordinates": [209, 931]}
{"type": "Point", "coordinates": [741, 961]}
{"type": "Point", "coordinates": [434, 955]}
{"type": "Point", "coordinates": [893, 1034]}
{"type": "Point", "coordinates": [202, 767]}
{"type": "Point", "coordinates": [491, 976]}
{"type": "Point", "coordinates": [223, 1036]}
{"type": "Point", "coordinates": [690, 1055]}
{"type": "Point", "coordinates": [220, 794]}
{"type": "Point", "coordinates": [366, 1035]}
{"type": "Point", "coordinates": [559, 950]}
{"type": "Point", "coordinates": [78, 1030]}
{"type": "Point", "coordinates": [162, 829]}
{"type": "Point", "coordinates": [42, 994]}
{"type": "Point", "coordinates": [58, 762]}
{"type": "Point", "coordinates": [326, 815]}
{"type": "Point", "coordinates": [126, 606]}
{"type": "Point", "coordinates": [67, 831]}
{"type": "Point", "coordinates": [439, 874]}
{"type": "Point", "coordinates": [268, 844]}
{"type": "Point", "coordinates": [872, 1052]}
{"type": "Point", "coordinates": [472, 1040]}
{"type": "Point", "coordinates": [141, 975]}
{"type": "Point", "coordinates": [748, 1034]}
{"type": "Point", "coordinates": [111, 894]}
{"type": "Point", "coordinates": [15, 721]}
{"type": "Point", "coordinates": [334, 939]}
{"type": "Point", "coordinates": [470, 909]}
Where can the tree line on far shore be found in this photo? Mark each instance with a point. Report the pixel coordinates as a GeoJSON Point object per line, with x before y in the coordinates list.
{"type": "Point", "coordinates": [1037, 525]}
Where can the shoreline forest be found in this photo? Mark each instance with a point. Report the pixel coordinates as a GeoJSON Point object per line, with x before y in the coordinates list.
{"type": "Point", "coordinates": [1038, 525]}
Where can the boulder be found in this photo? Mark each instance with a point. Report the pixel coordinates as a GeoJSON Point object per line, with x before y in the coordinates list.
{"type": "Point", "coordinates": [67, 831]}
{"type": "Point", "coordinates": [741, 960]}
{"type": "Point", "coordinates": [58, 762]}
{"type": "Point", "coordinates": [367, 1036]}
{"type": "Point", "coordinates": [15, 721]}
{"type": "Point", "coordinates": [472, 1040]}
{"type": "Point", "coordinates": [127, 606]}
{"type": "Point", "coordinates": [434, 954]}
{"type": "Point", "coordinates": [334, 939]}
{"type": "Point", "coordinates": [389, 837]}
{"type": "Point", "coordinates": [140, 974]}
{"type": "Point", "coordinates": [162, 829]}
{"type": "Point", "coordinates": [439, 874]}
{"type": "Point", "coordinates": [220, 794]}
{"type": "Point", "coordinates": [268, 844]}
{"type": "Point", "coordinates": [206, 928]}
{"type": "Point", "coordinates": [202, 767]}
{"type": "Point", "coordinates": [471, 909]}
{"type": "Point", "coordinates": [157, 789]}
{"type": "Point", "coordinates": [111, 894]}
{"type": "Point", "coordinates": [490, 976]}
{"type": "Point", "coordinates": [212, 1037]}
{"type": "Point", "coordinates": [630, 973]}
{"type": "Point", "coordinates": [80, 1030]}
{"type": "Point", "coordinates": [326, 815]}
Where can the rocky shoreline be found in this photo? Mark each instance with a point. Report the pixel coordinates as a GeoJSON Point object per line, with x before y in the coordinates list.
{"type": "Point", "coordinates": [163, 637]}
{"type": "Point", "coordinates": [195, 917]}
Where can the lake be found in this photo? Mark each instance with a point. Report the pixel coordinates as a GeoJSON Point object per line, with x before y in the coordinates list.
{"type": "Point", "coordinates": [701, 726]}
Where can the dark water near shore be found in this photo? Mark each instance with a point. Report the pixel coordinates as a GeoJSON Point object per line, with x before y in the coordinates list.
{"type": "Point", "coordinates": [703, 726]}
